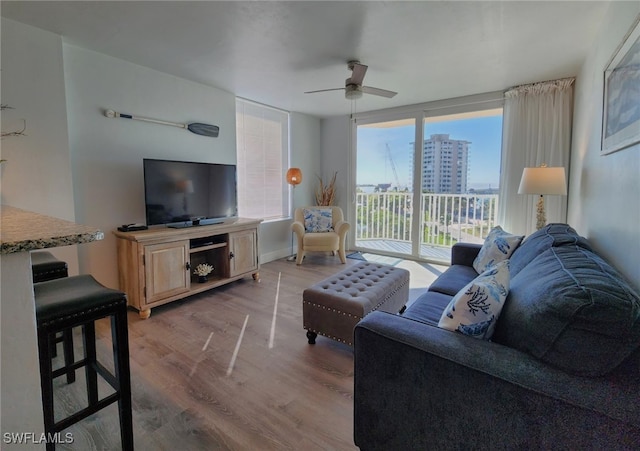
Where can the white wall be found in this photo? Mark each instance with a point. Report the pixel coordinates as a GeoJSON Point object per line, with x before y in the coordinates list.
{"type": "Point", "coordinates": [306, 154]}
{"type": "Point", "coordinates": [107, 154]}
{"type": "Point", "coordinates": [37, 173]}
{"type": "Point", "coordinates": [336, 157]}
{"type": "Point", "coordinates": [77, 164]}
{"type": "Point", "coordinates": [604, 191]}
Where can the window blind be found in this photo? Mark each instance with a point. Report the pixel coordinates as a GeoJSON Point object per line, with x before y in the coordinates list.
{"type": "Point", "coordinates": [262, 156]}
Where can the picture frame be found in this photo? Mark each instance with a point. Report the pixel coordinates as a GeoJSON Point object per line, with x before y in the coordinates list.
{"type": "Point", "coordinates": [621, 99]}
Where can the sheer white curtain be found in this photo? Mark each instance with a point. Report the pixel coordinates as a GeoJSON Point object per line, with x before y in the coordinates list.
{"type": "Point", "coordinates": [536, 129]}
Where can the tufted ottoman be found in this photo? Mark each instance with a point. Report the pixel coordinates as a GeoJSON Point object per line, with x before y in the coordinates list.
{"type": "Point", "coordinates": [334, 306]}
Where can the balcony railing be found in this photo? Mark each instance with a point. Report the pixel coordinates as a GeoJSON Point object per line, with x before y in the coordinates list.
{"type": "Point", "coordinates": [444, 219]}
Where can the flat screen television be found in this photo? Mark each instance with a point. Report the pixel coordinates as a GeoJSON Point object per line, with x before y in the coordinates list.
{"type": "Point", "coordinates": [184, 194]}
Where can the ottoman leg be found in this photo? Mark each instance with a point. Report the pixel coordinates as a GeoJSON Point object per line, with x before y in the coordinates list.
{"type": "Point", "coordinates": [312, 337]}
{"type": "Point", "coordinates": [404, 307]}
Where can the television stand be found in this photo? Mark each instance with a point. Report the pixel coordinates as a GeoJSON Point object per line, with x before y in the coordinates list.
{"type": "Point", "coordinates": [156, 266]}
{"type": "Point", "coordinates": [186, 225]}
{"type": "Point", "coordinates": [195, 223]}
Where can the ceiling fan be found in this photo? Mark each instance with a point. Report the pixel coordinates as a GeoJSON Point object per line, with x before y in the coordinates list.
{"type": "Point", "coordinates": [353, 86]}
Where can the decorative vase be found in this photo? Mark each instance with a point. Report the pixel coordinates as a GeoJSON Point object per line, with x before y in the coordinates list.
{"type": "Point", "coordinates": [203, 279]}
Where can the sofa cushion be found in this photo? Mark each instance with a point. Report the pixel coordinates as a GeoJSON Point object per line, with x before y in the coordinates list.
{"type": "Point", "coordinates": [464, 253]}
{"type": "Point", "coordinates": [476, 308]}
{"type": "Point", "coordinates": [571, 309]}
{"type": "Point", "coordinates": [453, 279]}
{"type": "Point", "coordinates": [318, 220]}
{"type": "Point", "coordinates": [498, 246]}
{"type": "Point", "coordinates": [552, 235]}
{"type": "Point", "coordinates": [427, 308]}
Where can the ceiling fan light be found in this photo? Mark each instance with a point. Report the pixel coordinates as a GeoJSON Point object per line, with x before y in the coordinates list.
{"type": "Point", "coordinates": [353, 92]}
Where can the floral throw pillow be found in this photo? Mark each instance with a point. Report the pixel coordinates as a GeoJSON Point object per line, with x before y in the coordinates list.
{"type": "Point", "coordinates": [476, 308]}
{"type": "Point", "coordinates": [317, 220]}
{"type": "Point", "coordinates": [498, 246]}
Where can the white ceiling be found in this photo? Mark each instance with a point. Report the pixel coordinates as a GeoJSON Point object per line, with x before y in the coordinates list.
{"type": "Point", "coordinates": [271, 52]}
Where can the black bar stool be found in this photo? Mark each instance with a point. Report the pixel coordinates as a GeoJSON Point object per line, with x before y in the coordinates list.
{"type": "Point", "coordinates": [45, 266]}
{"type": "Point", "coordinates": [62, 304]}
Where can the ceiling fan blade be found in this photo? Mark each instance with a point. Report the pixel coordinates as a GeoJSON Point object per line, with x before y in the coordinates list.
{"type": "Point", "coordinates": [358, 71]}
{"type": "Point", "coordinates": [378, 92]}
{"type": "Point", "coordinates": [324, 90]}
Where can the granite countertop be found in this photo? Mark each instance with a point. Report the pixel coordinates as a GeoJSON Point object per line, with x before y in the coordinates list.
{"type": "Point", "coordinates": [22, 231]}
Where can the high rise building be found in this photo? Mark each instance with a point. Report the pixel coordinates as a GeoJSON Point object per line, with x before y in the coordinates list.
{"type": "Point", "coordinates": [445, 165]}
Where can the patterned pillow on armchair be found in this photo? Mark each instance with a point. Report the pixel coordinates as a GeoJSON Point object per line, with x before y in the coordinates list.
{"type": "Point", "coordinates": [317, 220]}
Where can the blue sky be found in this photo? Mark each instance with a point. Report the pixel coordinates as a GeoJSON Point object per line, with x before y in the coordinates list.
{"type": "Point", "coordinates": [484, 133]}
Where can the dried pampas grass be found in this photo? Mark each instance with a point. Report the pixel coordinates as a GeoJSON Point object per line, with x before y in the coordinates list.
{"type": "Point", "coordinates": [326, 194]}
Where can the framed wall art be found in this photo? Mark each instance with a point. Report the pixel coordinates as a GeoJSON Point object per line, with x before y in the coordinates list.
{"type": "Point", "coordinates": [621, 105]}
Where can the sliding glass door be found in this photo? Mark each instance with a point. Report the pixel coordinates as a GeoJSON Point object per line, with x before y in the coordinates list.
{"type": "Point", "coordinates": [420, 189]}
{"type": "Point", "coordinates": [384, 186]}
{"type": "Point", "coordinates": [460, 178]}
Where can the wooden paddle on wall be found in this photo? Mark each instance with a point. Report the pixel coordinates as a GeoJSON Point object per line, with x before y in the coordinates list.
{"type": "Point", "coordinates": [194, 127]}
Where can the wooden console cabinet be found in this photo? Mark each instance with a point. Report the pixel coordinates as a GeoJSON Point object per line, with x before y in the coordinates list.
{"type": "Point", "coordinates": [156, 266]}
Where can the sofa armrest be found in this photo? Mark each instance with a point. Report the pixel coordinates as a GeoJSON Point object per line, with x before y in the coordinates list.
{"type": "Point", "coordinates": [417, 386]}
{"type": "Point", "coordinates": [464, 253]}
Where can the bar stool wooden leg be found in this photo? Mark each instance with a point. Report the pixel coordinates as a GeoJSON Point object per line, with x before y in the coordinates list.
{"type": "Point", "coordinates": [69, 357]}
{"type": "Point", "coordinates": [46, 384]}
{"type": "Point", "coordinates": [89, 336]}
{"type": "Point", "coordinates": [120, 340]}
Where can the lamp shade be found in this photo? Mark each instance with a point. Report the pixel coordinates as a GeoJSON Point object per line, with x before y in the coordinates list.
{"type": "Point", "coordinates": [294, 176]}
{"type": "Point", "coordinates": [543, 180]}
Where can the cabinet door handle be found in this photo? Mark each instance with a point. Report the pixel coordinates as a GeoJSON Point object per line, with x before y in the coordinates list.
{"type": "Point", "coordinates": [188, 266]}
{"type": "Point", "coordinates": [231, 255]}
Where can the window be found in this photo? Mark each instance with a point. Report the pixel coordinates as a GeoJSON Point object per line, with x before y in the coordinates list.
{"type": "Point", "coordinates": [419, 197]}
{"type": "Point", "coordinates": [262, 135]}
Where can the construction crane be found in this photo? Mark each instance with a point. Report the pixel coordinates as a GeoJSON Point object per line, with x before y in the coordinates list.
{"type": "Point", "coordinates": [393, 166]}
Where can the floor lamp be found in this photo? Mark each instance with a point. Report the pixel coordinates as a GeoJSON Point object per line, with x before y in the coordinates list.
{"type": "Point", "coordinates": [294, 177]}
{"type": "Point", "coordinates": [543, 180]}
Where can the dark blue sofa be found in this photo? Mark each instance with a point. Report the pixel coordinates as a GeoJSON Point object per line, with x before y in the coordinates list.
{"type": "Point", "coordinates": [562, 370]}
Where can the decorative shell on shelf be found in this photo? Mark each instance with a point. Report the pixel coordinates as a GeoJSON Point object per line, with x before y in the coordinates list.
{"type": "Point", "coordinates": [203, 269]}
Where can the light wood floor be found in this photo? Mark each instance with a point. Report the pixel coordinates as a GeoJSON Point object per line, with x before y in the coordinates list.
{"type": "Point", "coordinates": [195, 388]}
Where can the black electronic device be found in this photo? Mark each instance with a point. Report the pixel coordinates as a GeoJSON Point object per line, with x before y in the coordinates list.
{"type": "Point", "coordinates": [132, 227]}
{"type": "Point", "coordinates": [185, 194]}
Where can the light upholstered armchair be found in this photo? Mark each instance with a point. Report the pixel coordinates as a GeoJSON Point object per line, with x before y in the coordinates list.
{"type": "Point", "coordinates": [320, 229]}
